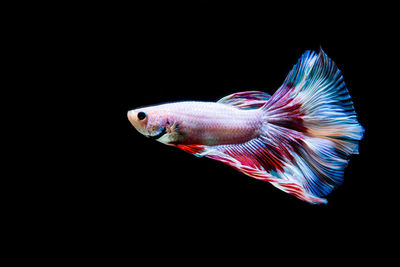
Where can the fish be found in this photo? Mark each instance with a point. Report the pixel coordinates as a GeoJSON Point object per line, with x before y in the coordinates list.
{"type": "Point", "coordinates": [300, 139]}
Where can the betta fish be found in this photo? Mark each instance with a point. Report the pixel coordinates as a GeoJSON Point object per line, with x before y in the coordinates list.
{"type": "Point", "coordinates": [299, 139]}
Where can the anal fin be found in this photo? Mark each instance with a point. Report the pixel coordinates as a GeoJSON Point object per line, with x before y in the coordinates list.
{"type": "Point", "coordinates": [258, 159]}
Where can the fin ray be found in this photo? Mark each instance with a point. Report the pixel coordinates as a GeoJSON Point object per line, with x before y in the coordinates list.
{"type": "Point", "coordinates": [246, 100]}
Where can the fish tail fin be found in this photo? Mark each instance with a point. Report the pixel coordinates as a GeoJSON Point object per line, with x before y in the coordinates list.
{"type": "Point", "coordinates": [312, 119]}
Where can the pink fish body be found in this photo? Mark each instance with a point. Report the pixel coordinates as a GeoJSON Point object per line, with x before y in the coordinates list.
{"type": "Point", "coordinates": [204, 123]}
{"type": "Point", "coordinates": [299, 139]}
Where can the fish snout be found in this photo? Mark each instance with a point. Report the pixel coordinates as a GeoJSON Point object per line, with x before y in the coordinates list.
{"type": "Point", "coordinates": [132, 116]}
{"type": "Point", "coordinates": [137, 121]}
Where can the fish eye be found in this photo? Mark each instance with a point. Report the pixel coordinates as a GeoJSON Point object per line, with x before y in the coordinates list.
{"type": "Point", "coordinates": [141, 115]}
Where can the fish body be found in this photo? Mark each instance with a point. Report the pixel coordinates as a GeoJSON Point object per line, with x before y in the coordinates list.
{"type": "Point", "coordinates": [204, 123]}
{"type": "Point", "coordinates": [298, 139]}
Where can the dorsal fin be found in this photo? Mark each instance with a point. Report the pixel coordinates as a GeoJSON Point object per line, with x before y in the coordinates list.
{"type": "Point", "coordinates": [246, 100]}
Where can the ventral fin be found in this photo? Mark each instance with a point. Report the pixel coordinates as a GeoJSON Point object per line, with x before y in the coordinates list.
{"type": "Point", "coordinates": [192, 149]}
{"type": "Point", "coordinates": [246, 100]}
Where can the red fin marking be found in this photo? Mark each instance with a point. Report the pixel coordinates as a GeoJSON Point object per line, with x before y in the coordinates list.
{"type": "Point", "coordinates": [286, 112]}
{"type": "Point", "coordinates": [256, 154]}
{"type": "Point", "coordinates": [192, 149]}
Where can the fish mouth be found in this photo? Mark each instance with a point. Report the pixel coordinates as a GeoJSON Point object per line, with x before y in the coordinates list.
{"type": "Point", "coordinates": [161, 133]}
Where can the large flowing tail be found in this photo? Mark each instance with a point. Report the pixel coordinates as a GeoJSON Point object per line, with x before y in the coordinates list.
{"type": "Point", "coordinates": [310, 129]}
{"type": "Point", "coordinates": [311, 116]}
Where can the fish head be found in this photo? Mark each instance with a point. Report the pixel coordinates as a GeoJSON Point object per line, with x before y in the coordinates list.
{"type": "Point", "coordinates": [156, 123]}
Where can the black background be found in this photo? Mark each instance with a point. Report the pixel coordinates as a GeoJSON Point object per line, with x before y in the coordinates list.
{"type": "Point", "coordinates": [115, 188]}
